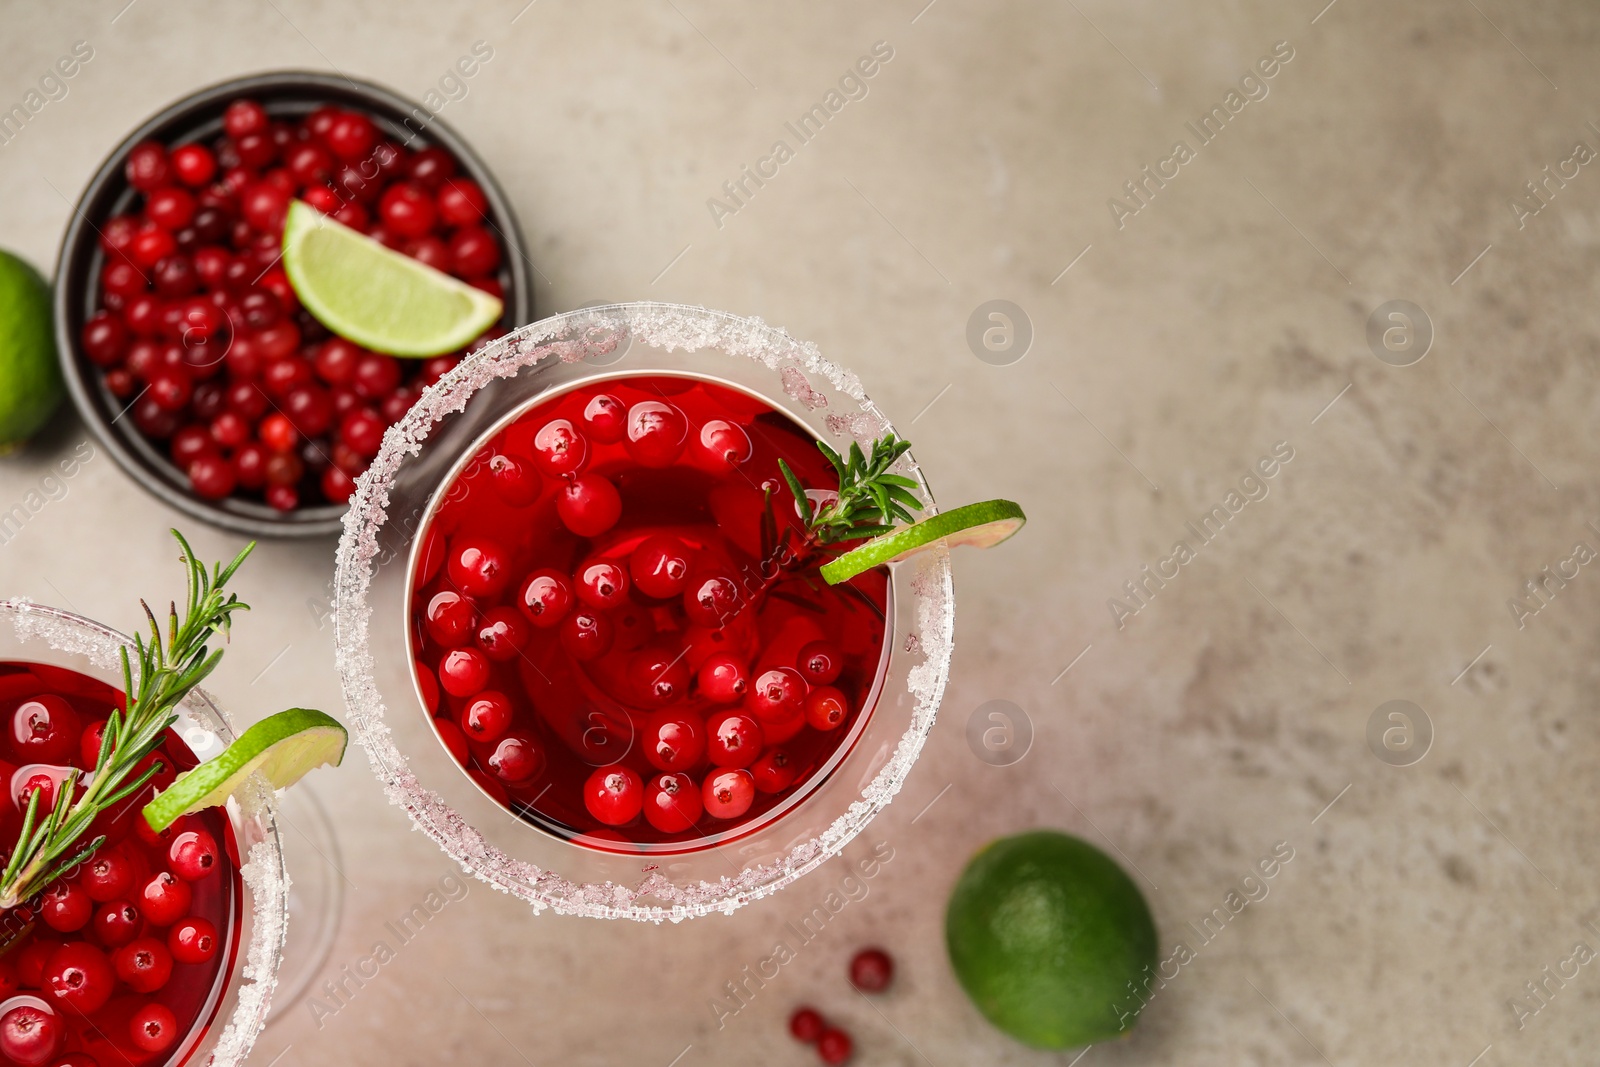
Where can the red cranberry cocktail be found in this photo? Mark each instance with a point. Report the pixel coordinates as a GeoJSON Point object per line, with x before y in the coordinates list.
{"type": "Point", "coordinates": [125, 959]}
{"type": "Point", "coordinates": [616, 621]}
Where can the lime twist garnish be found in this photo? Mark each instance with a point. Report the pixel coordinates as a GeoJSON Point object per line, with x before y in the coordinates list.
{"type": "Point", "coordinates": [377, 297]}
{"type": "Point", "coordinates": [283, 748]}
{"type": "Point", "coordinates": [983, 525]}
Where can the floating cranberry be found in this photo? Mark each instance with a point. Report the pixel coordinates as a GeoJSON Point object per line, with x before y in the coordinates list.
{"type": "Point", "coordinates": [144, 964]}
{"type": "Point", "coordinates": [153, 1027]}
{"type": "Point", "coordinates": [30, 1034]}
{"type": "Point", "coordinates": [44, 729]}
{"type": "Point", "coordinates": [723, 678]}
{"type": "Point", "coordinates": [501, 634]}
{"type": "Point", "coordinates": [487, 716]}
{"type": "Point", "coordinates": [586, 635]}
{"type": "Point", "coordinates": [589, 504]}
{"type": "Point", "coordinates": [871, 970]}
{"type": "Point", "coordinates": [109, 874]}
{"type": "Point", "coordinates": [725, 444]}
{"type": "Point", "coordinates": [478, 566]}
{"type": "Point", "coordinates": [835, 1047]}
{"type": "Point", "coordinates": [601, 584]}
{"type": "Point", "coordinates": [605, 418]}
{"type": "Point", "coordinates": [826, 708]}
{"type": "Point", "coordinates": [164, 899]}
{"type": "Point", "coordinates": [116, 922]}
{"type": "Point", "coordinates": [79, 978]}
{"type": "Point", "coordinates": [656, 433]}
{"type": "Point", "coordinates": [774, 772]}
{"type": "Point", "coordinates": [514, 481]}
{"type": "Point", "coordinates": [659, 676]}
{"type": "Point", "coordinates": [65, 907]}
{"type": "Point", "coordinates": [463, 672]}
{"type": "Point", "coordinates": [462, 203]}
{"type": "Point", "coordinates": [516, 759]}
{"type": "Point", "coordinates": [733, 739]}
{"type": "Point", "coordinates": [777, 694]}
{"type": "Point", "coordinates": [193, 164]}
{"type": "Point", "coordinates": [558, 448]}
{"type": "Point", "coordinates": [728, 794]}
{"type": "Point", "coordinates": [545, 597]}
{"type": "Point", "coordinates": [147, 167]}
{"type": "Point", "coordinates": [193, 940]}
{"type": "Point", "coordinates": [820, 662]}
{"type": "Point", "coordinates": [806, 1024]}
{"type": "Point", "coordinates": [614, 795]}
{"type": "Point", "coordinates": [674, 740]}
{"type": "Point", "coordinates": [449, 617]}
{"type": "Point", "coordinates": [660, 566]}
{"type": "Point", "coordinates": [192, 855]}
{"type": "Point", "coordinates": [711, 598]}
{"type": "Point", "coordinates": [454, 740]}
{"type": "Point", "coordinates": [672, 803]}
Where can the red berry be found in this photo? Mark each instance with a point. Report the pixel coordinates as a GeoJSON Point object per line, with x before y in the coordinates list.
{"type": "Point", "coordinates": [212, 477]}
{"type": "Point", "coordinates": [486, 717]}
{"type": "Point", "coordinates": [723, 678]}
{"type": "Point", "coordinates": [407, 209]}
{"type": "Point", "coordinates": [614, 795]}
{"type": "Point", "coordinates": [153, 1027]}
{"type": "Point", "coordinates": [193, 940]}
{"type": "Point", "coordinates": [501, 634]}
{"type": "Point", "coordinates": [474, 251]}
{"type": "Point", "coordinates": [674, 740]}
{"type": "Point", "coordinates": [656, 432]}
{"type": "Point", "coordinates": [672, 803]}
{"type": "Point", "coordinates": [826, 708]}
{"type": "Point", "coordinates": [835, 1047]}
{"type": "Point", "coordinates": [728, 794]}
{"type": "Point", "coordinates": [516, 759]}
{"type": "Point", "coordinates": [449, 617]}
{"type": "Point", "coordinates": [605, 418]}
{"type": "Point", "coordinates": [463, 672]}
{"type": "Point", "coordinates": [820, 662]}
{"type": "Point", "coordinates": [601, 584]}
{"type": "Point", "coordinates": [66, 907]}
{"type": "Point", "coordinates": [109, 874]}
{"type": "Point", "coordinates": [337, 486]}
{"type": "Point", "coordinates": [454, 740]}
{"type": "Point", "coordinates": [250, 465]}
{"type": "Point", "coordinates": [733, 739]}
{"type": "Point", "coordinates": [31, 1034]}
{"type": "Point", "coordinates": [871, 970]}
{"type": "Point", "coordinates": [514, 481]}
{"type": "Point", "coordinates": [144, 964]}
{"type": "Point", "coordinates": [545, 597]}
{"type": "Point", "coordinates": [117, 922]}
{"type": "Point", "coordinates": [558, 448]}
{"type": "Point", "coordinates": [230, 429]}
{"type": "Point", "coordinates": [462, 203]}
{"type": "Point", "coordinates": [478, 566]}
{"type": "Point", "coordinates": [192, 855]}
{"type": "Point", "coordinates": [586, 635]}
{"type": "Point", "coordinates": [122, 278]}
{"type": "Point", "coordinates": [282, 497]}
{"type": "Point", "coordinates": [321, 121]}
{"type": "Point", "coordinates": [376, 376]}
{"type": "Point", "coordinates": [277, 432]}
{"type": "Point", "coordinates": [311, 165]}
{"type": "Point", "coordinates": [660, 566]}
{"type": "Point", "coordinates": [105, 339]}
{"type": "Point", "coordinates": [806, 1024]}
{"type": "Point", "coordinates": [150, 246]}
{"type": "Point", "coordinates": [44, 729]}
{"type": "Point", "coordinates": [430, 167]}
{"type": "Point", "coordinates": [147, 167]}
{"type": "Point", "coordinates": [711, 598]}
{"type": "Point", "coordinates": [244, 116]}
{"type": "Point", "coordinates": [164, 899]}
{"type": "Point", "coordinates": [193, 164]}
{"type": "Point", "coordinates": [78, 977]}
{"type": "Point", "coordinates": [265, 206]}
{"type": "Point", "coordinates": [659, 676]}
{"type": "Point", "coordinates": [724, 444]}
{"type": "Point", "coordinates": [774, 772]}
{"type": "Point", "coordinates": [777, 694]}
{"type": "Point", "coordinates": [335, 362]}
{"type": "Point", "coordinates": [171, 207]}
{"type": "Point", "coordinates": [589, 505]}
{"type": "Point", "coordinates": [351, 136]}
{"type": "Point", "coordinates": [30, 960]}
{"type": "Point", "coordinates": [116, 233]}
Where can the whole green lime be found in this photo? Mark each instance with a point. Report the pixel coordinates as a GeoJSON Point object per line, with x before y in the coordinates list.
{"type": "Point", "coordinates": [30, 379]}
{"type": "Point", "coordinates": [1045, 932]}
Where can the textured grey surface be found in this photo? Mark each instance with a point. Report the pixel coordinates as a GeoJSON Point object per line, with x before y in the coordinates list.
{"type": "Point", "coordinates": [1222, 318]}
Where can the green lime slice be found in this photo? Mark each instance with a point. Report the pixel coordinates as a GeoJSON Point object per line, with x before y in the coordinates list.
{"type": "Point", "coordinates": [984, 524]}
{"type": "Point", "coordinates": [30, 377]}
{"type": "Point", "coordinates": [284, 747]}
{"type": "Point", "coordinates": [375, 296]}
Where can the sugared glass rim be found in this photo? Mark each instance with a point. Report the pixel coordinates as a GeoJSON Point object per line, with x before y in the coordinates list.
{"type": "Point", "coordinates": [672, 327]}
{"type": "Point", "coordinates": [262, 871]}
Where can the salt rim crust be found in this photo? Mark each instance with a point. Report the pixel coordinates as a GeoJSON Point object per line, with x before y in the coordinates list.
{"type": "Point", "coordinates": [263, 872]}
{"type": "Point", "coordinates": [570, 338]}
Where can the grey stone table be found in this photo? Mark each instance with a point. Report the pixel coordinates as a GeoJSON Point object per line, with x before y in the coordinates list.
{"type": "Point", "coordinates": [1196, 211]}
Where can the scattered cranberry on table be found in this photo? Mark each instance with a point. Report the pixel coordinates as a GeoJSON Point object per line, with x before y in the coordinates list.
{"type": "Point", "coordinates": [199, 332]}
{"type": "Point", "coordinates": [871, 970]}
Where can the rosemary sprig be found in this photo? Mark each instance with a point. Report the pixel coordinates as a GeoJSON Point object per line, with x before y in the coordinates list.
{"type": "Point", "coordinates": [870, 500]}
{"type": "Point", "coordinates": [51, 841]}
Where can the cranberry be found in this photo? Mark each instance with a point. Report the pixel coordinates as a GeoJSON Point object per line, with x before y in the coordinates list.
{"type": "Point", "coordinates": [194, 940]}
{"type": "Point", "coordinates": [871, 970]}
{"type": "Point", "coordinates": [449, 617]}
{"type": "Point", "coordinates": [66, 907]}
{"type": "Point", "coordinates": [152, 419]}
{"type": "Point", "coordinates": [806, 1024]}
{"type": "Point", "coordinates": [250, 465]}
{"type": "Point", "coordinates": [265, 206]}
{"type": "Point", "coordinates": [116, 923]}
{"type": "Point", "coordinates": [514, 481]}
{"type": "Point", "coordinates": [336, 361]}
{"type": "Point", "coordinates": [31, 959]}
{"type": "Point", "coordinates": [147, 167]}
{"type": "Point", "coordinates": [117, 233]}
{"type": "Point", "coordinates": [589, 505]}
{"type": "Point", "coordinates": [463, 672]}
{"type": "Point", "coordinates": [558, 448]}
{"type": "Point", "coordinates": [321, 197]}
{"type": "Point", "coordinates": [430, 166]}
{"type": "Point", "coordinates": [44, 729]}
{"type": "Point", "coordinates": [586, 635]}
{"type": "Point", "coordinates": [774, 772]}
{"type": "Point", "coordinates": [820, 662]}
{"type": "Point", "coordinates": [153, 1027]}
{"type": "Point", "coordinates": [516, 759]}
{"type": "Point", "coordinates": [376, 376]}
{"type": "Point", "coordinates": [601, 584]}
{"type": "Point", "coordinates": [212, 477]}
{"type": "Point", "coordinates": [656, 433]}
{"type": "Point", "coordinates": [175, 276]}
{"type": "Point", "coordinates": [501, 634]}
{"type": "Point", "coordinates": [660, 566]}
{"type": "Point", "coordinates": [711, 598]}
{"type": "Point", "coordinates": [229, 429]}
{"type": "Point", "coordinates": [171, 207]}
{"type": "Point", "coordinates": [309, 407]}
{"type": "Point", "coordinates": [120, 383]}
{"type": "Point", "coordinates": [835, 1047]}
{"type": "Point", "coordinates": [478, 566]}
{"type": "Point", "coordinates": [723, 678]}
{"type": "Point", "coordinates": [733, 739]}
{"type": "Point", "coordinates": [545, 597]}
{"type": "Point", "coordinates": [674, 740]}
{"type": "Point", "coordinates": [336, 485]}
{"type": "Point", "coordinates": [462, 203]}
{"type": "Point", "coordinates": [777, 694]}
{"type": "Point", "coordinates": [109, 874]}
{"type": "Point", "coordinates": [454, 740]}
{"type": "Point", "coordinates": [193, 164]}
{"type": "Point", "coordinates": [436, 368]}
{"type": "Point", "coordinates": [826, 708]}
{"type": "Point", "coordinates": [258, 309]}
{"type": "Point", "coordinates": [614, 795]}
{"type": "Point", "coordinates": [105, 339]}
{"type": "Point", "coordinates": [724, 444]}
{"type": "Point", "coordinates": [151, 245]}
{"type": "Point", "coordinates": [659, 676]}
{"type": "Point", "coordinates": [474, 251]}
{"type": "Point", "coordinates": [351, 136]}
{"type": "Point", "coordinates": [605, 418]}
{"type": "Point", "coordinates": [144, 964]}
{"type": "Point", "coordinates": [728, 794]}
{"type": "Point", "coordinates": [164, 899]}
{"type": "Point", "coordinates": [79, 977]}
{"type": "Point", "coordinates": [278, 433]}
{"type": "Point", "coordinates": [192, 855]}
{"type": "Point", "coordinates": [171, 389]}
{"type": "Point", "coordinates": [30, 1034]}
{"type": "Point", "coordinates": [122, 278]}
{"type": "Point", "coordinates": [244, 117]}
{"type": "Point", "coordinates": [672, 803]}
{"type": "Point", "coordinates": [407, 209]}
{"type": "Point", "coordinates": [395, 405]}
{"type": "Point", "coordinates": [282, 497]}
{"type": "Point", "coordinates": [321, 120]}
{"type": "Point", "coordinates": [487, 716]}
{"type": "Point", "coordinates": [430, 252]}
{"type": "Point", "coordinates": [310, 164]}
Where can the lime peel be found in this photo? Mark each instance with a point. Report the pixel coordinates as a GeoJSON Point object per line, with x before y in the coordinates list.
{"type": "Point", "coordinates": [984, 525]}
{"type": "Point", "coordinates": [375, 296]}
{"type": "Point", "coordinates": [283, 748]}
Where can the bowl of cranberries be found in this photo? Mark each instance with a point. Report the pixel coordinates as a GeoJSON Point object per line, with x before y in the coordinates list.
{"type": "Point", "coordinates": [182, 341]}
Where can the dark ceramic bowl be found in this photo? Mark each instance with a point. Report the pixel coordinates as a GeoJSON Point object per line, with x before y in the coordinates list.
{"type": "Point", "coordinates": [285, 95]}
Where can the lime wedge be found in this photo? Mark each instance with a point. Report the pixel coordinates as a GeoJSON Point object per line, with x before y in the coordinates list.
{"type": "Point", "coordinates": [984, 524]}
{"type": "Point", "coordinates": [375, 296]}
{"type": "Point", "coordinates": [284, 747]}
